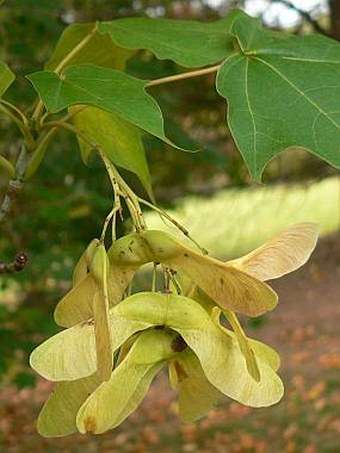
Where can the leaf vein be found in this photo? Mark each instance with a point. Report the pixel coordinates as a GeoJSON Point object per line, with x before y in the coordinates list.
{"type": "Point", "coordinates": [251, 112]}
{"type": "Point", "coordinates": [297, 89]}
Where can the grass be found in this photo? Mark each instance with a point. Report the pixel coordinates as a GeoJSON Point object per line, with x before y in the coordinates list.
{"type": "Point", "coordinates": [234, 221]}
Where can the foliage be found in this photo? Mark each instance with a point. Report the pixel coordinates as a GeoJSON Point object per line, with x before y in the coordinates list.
{"type": "Point", "coordinates": [121, 340]}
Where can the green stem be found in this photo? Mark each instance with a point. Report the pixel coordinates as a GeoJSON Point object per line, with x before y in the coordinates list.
{"type": "Point", "coordinates": [174, 281]}
{"type": "Point", "coordinates": [71, 114]}
{"type": "Point", "coordinates": [124, 190]}
{"type": "Point", "coordinates": [16, 110]}
{"type": "Point", "coordinates": [154, 278]}
{"type": "Point", "coordinates": [111, 215]}
{"type": "Point", "coordinates": [75, 50]}
{"type": "Point", "coordinates": [174, 222]}
{"type": "Point", "coordinates": [184, 75]}
{"type": "Point", "coordinates": [22, 125]}
{"type": "Point", "coordinates": [115, 178]}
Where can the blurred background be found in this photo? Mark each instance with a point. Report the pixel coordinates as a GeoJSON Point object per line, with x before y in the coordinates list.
{"type": "Point", "coordinates": [63, 207]}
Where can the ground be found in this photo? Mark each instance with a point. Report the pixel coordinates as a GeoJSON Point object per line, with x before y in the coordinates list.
{"type": "Point", "coordinates": [304, 329]}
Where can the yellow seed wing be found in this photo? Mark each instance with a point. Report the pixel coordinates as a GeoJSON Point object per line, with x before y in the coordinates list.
{"type": "Point", "coordinates": [103, 339]}
{"type": "Point", "coordinates": [229, 287]}
{"type": "Point", "coordinates": [224, 366]}
{"type": "Point", "coordinates": [58, 416]}
{"type": "Point", "coordinates": [115, 399]}
{"type": "Point", "coordinates": [99, 266]}
{"type": "Point", "coordinates": [77, 305]}
{"type": "Point", "coordinates": [71, 354]}
{"type": "Point", "coordinates": [244, 345]}
{"type": "Point", "coordinates": [68, 355]}
{"type": "Point", "coordinates": [196, 394]}
{"type": "Point", "coordinates": [283, 254]}
{"type": "Point", "coordinates": [265, 353]}
{"type": "Point", "coordinates": [81, 269]}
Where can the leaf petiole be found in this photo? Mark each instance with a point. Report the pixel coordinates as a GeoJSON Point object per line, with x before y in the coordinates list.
{"type": "Point", "coordinates": [64, 62]}
{"type": "Point", "coordinates": [185, 75]}
{"type": "Point", "coordinates": [16, 110]}
{"type": "Point", "coordinates": [22, 123]}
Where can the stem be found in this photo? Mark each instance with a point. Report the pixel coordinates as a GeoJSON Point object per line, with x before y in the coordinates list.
{"type": "Point", "coordinates": [135, 217]}
{"type": "Point", "coordinates": [15, 185]}
{"type": "Point", "coordinates": [15, 109]}
{"type": "Point", "coordinates": [154, 277]}
{"type": "Point", "coordinates": [69, 127]}
{"type": "Point", "coordinates": [22, 125]}
{"type": "Point", "coordinates": [70, 115]}
{"type": "Point", "coordinates": [64, 62]}
{"type": "Point", "coordinates": [185, 75]}
{"type": "Point", "coordinates": [174, 222]}
{"type": "Point", "coordinates": [174, 281]}
{"type": "Point", "coordinates": [10, 115]}
{"type": "Point", "coordinates": [134, 200]}
{"type": "Point", "coordinates": [166, 275]}
{"type": "Point", "coordinates": [123, 189]}
{"type": "Point", "coordinates": [107, 221]}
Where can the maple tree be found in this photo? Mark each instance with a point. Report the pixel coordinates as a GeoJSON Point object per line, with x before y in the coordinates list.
{"type": "Point", "coordinates": [115, 342]}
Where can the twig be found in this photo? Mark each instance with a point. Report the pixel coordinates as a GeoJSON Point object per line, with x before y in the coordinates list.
{"type": "Point", "coordinates": [15, 185]}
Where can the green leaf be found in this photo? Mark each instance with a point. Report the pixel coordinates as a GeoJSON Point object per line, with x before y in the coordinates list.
{"type": "Point", "coordinates": [114, 400]}
{"type": "Point", "coordinates": [107, 89]}
{"type": "Point", "coordinates": [188, 43]}
{"type": "Point", "coordinates": [282, 91]}
{"type": "Point", "coordinates": [120, 141]}
{"type": "Point", "coordinates": [58, 416]}
{"type": "Point", "coordinates": [99, 50]}
{"type": "Point", "coordinates": [6, 77]}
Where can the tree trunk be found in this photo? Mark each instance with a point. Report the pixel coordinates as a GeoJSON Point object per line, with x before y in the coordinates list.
{"type": "Point", "coordinates": [334, 6]}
